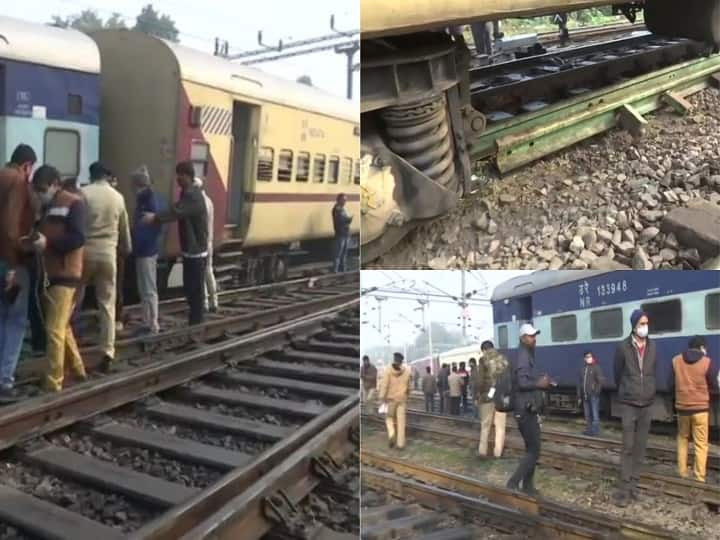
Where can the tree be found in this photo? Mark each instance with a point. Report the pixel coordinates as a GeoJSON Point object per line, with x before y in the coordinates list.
{"type": "Point", "coordinates": [151, 22]}
{"type": "Point", "coordinates": [115, 22]}
{"type": "Point", "coordinates": [304, 79]}
{"type": "Point", "coordinates": [88, 21]}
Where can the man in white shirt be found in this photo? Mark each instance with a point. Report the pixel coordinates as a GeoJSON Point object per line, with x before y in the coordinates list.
{"type": "Point", "coordinates": [210, 298]}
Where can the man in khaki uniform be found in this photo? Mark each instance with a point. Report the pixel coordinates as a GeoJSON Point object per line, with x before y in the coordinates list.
{"type": "Point", "coordinates": [107, 235]}
{"type": "Point", "coordinates": [455, 384]}
{"type": "Point", "coordinates": [368, 376]}
{"type": "Point", "coordinates": [394, 391]}
{"type": "Point", "coordinates": [491, 364]}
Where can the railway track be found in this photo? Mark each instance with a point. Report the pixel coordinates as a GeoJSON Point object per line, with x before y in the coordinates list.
{"type": "Point", "coordinates": [241, 311]}
{"type": "Point", "coordinates": [691, 492]}
{"type": "Point", "coordinates": [665, 453]}
{"type": "Point", "coordinates": [507, 511]}
{"type": "Point", "coordinates": [219, 436]}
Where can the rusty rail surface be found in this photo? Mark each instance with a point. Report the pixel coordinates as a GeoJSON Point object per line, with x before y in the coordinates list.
{"type": "Point", "coordinates": [654, 451]}
{"type": "Point", "coordinates": [449, 490]}
{"type": "Point", "coordinates": [138, 350]}
{"type": "Point", "coordinates": [690, 491]}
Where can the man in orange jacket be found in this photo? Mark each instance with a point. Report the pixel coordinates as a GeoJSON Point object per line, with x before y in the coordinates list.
{"type": "Point", "coordinates": [694, 377]}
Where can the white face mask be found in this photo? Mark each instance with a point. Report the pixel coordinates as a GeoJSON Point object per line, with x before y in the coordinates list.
{"type": "Point", "coordinates": [642, 331]}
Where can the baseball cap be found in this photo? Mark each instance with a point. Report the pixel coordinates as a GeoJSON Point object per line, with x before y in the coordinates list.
{"type": "Point", "coordinates": [528, 330]}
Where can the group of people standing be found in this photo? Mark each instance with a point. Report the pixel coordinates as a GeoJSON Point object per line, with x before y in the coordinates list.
{"type": "Point", "coordinates": [56, 239]}
{"type": "Point", "coordinates": [694, 378]}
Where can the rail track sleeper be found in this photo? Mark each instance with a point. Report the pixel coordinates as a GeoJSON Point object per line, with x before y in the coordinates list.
{"type": "Point", "coordinates": [313, 356]}
{"type": "Point", "coordinates": [182, 449]}
{"type": "Point", "coordinates": [243, 516]}
{"type": "Point", "coordinates": [448, 534]}
{"type": "Point", "coordinates": [406, 525]}
{"type": "Point", "coordinates": [311, 373]}
{"type": "Point", "coordinates": [49, 521]}
{"type": "Point", "coordinates": [221, 422]}
{"type": "Point", "coordinates": [267, 381]}
{"type": "Point", "coordinates": [285, 406]}
{"type": "Point", "coordinates": [372, 516]}
{"type": "Point", "coordinates": [108, 476]}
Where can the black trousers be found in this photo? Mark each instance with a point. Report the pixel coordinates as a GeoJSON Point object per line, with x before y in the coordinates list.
{"type": "Point", "coordinates": [455, 405]}
{"type": "Point", "coordinates": [193, 280]}
{"type": "Point", "coordinates": [430, 403]}
{"type": "Point", "coordinates": [464, 401]}
{"type": "Point", "coordinates": [443, 402]}
{"type": "Point", "coordinates": [529, 426]}
{"type": "Point", "coordinates": [635, 425]}
{"type": "Point", "coordinates": [38, 339]}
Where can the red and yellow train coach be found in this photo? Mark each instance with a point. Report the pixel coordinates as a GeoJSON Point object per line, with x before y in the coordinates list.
{"type": "Point", "coordinates": [273, 154]}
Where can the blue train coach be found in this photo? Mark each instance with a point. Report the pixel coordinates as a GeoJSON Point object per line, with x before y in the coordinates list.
{"type": "Point", "coordinates": [49, 95]}
{"type": "Point", "coordinates": [580, 310]}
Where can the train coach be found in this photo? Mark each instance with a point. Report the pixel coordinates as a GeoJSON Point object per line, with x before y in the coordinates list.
{"type": "Point", "coordinates": [273, 154]}
{"type": "Point", "coordinates": [580, 310]}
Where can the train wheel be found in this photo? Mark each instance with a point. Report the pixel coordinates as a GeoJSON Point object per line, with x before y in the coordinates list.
{"type": "Point", "coordinates": [692, 19]}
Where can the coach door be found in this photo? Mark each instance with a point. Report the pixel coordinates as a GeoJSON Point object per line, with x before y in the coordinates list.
{"type": "Point", "coordinates": [4, 158]}
{"type": "Point", "coordinates": [245, 131]}
{"type": "Point", "coordinates": [521, 313]}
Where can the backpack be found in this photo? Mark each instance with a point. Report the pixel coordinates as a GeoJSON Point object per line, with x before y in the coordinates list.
{"type": "Point", "coordinates": [503, 396]}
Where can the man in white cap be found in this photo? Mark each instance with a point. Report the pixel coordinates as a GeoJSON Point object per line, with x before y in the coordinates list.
{"type": "Point", "coordinates": [210, 298]}
{"type": "Point", "coordinates": [529, 385]}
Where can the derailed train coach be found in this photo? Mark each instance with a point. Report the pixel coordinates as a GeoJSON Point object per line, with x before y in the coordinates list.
{"type": "Point", "coordinates": [577, 311]}
{"type": "Point", "coordinates": [273, 154]}
{"type": "Point", "coordinates": [420, 120]}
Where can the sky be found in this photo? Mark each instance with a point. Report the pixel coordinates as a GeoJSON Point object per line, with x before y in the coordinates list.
{"type": "Point", "coordinates": [236, 21]}
{"type": "Point", "coordinates": [395, 312]}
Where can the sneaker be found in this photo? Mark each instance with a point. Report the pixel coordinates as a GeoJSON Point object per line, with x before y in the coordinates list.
{"type": "Point", "coordinates": [512, 487]}
{"type": "Point", "coordinates": [119, 327]}
{"type": "Point", "coordinates": [213, 309]}
{"type": "Point", "coordinates": [391, 442]}
{"type": "Point", "coordinates": [531, 491]}
{"type": "Point", "coordinates": [9, 394]}
{"type": "Point", "coordinates": [106, 366]}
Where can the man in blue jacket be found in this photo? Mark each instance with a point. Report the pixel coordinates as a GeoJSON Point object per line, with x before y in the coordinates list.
{"type": "Point", "coordinates": [528, 403]}
{"type": "Point", "coordinates": [145, 243]}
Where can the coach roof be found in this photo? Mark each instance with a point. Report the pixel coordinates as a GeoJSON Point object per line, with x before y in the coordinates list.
{"type": "Point", "coordinates": [543, 279]}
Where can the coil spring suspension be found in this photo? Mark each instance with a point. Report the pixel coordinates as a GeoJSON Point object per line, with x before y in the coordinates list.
{"type": "Point", "coordinates": [420, 133]}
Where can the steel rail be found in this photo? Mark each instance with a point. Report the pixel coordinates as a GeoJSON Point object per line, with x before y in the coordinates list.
{"type": "Point", "coordinates": [246, 515]}
{"type": "Point", "coordinates": [140, 349]}
{"type": "Point", "coordinates": [555, 519]}
{"type": "Point", "coordinates": [523, 139]}
{"type": "Point", "coordinates": [654, 451]}
{"type": "Point", "coordinates": [44, 414]}
{"type": "Point", "coordinates": [694, 492]}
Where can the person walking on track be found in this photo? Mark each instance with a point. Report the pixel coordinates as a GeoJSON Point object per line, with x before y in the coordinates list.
{"type": "Point", "coordinates": [341, 224]}
{"type": "Point", "coordinates": [368, 376]}
{"type": "Point", "coordinates": [528, 405]}
{"type": "Point", "coordinates": [107, 237]}
{"type": "Point", "coordinates": [635, 372]}
{"type": "Point", "coordinates": [589, 388]}
{"type": "Point", "coordinates": [394, 392]}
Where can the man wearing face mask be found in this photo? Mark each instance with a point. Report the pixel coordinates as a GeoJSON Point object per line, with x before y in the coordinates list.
{"type": "Point", "coordinates": [528, 386]}
{"type": "Point", "coordinates": [394, 391]}
{"type": "Point", "coordinates": [694, 378]}
{"type": "Point", "coordinates": [60, 239]}
{"type": "Point", "coordinates": [634, 370]}
{"type": "Point", "coordinates": [16, 220]}
{"type": "Point", "coordinates": [589, 387]}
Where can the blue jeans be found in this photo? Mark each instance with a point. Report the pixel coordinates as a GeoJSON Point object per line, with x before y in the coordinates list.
{"type": "Point", "coordinates": [13, 321]}
{"type": "Point", "coordinates": [591, 405]}
{"type": "Point", "coordinates": [341, 248]}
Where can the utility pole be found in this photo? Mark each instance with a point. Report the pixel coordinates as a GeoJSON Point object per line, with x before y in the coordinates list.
{"type": "Point", "coordinates": [349, 49]}
{"type": "Point", "coordinates": [463, 304]}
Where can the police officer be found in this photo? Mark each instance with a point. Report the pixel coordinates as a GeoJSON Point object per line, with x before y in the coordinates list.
{"type": "Point", "coordinates": [528, 386]}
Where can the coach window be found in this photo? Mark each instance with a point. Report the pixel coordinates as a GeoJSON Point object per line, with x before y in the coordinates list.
{"type": "Point", "coordinates": [356, 172]}
{"type": "Point", "coordinates": [346, 171]}
{"type": "Point", "coordinates": [62, 151]}
{"type": "Point", "coordinates": [200, 156]}
{"type": "Point", "coordinates": [664, 316]}
{"type": "Point", "coordinates": [319, 168]}
{"type": "Point", "coordinates": [502, 337]}
{"type": "Point", "coordinates": [302, 174]}
{"type": "Point", "coordinates": [712, 311]}
{"type": "Point", "coordinates": [285, 163]}
{"type": "Point", "coordinates": [333, 169]}
{"type": "Point", "coordinates": [563, 328]}
{"type": "Point", "coordinates": [607, 323]}
{"type": "Point", "coordinates": [266, 157]}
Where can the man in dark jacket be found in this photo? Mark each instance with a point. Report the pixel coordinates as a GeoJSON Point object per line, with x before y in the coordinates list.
{"type": "Point", "coordinates": [145, 241]}
{"type": "Point", "coordinates": [589, 387]}
{"type": "Point", "coordinates": [528, 385]}
{"type": "Point", "coordinates": [694, 377]}
{"type": "Point", "coordinates": [466, 385]}
{"type": "Point", "coordinates": [341, 224]}
{"type": "Point", "coordinates": [190, 213]}
{"type": "Point", "coordinates": [634, 371]}
{"type": "Point", "coordinates": [429, 388]}
{"type": "Point", "coordinates": [443, 388]}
